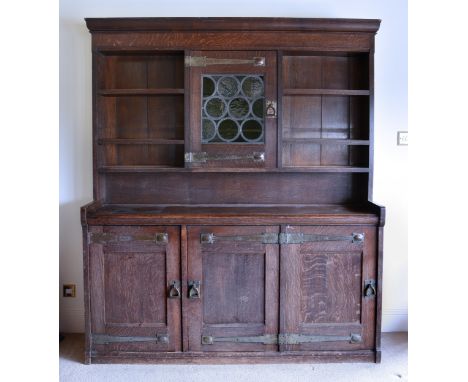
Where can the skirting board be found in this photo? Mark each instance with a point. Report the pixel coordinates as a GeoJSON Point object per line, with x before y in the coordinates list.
{"type": "Point", "coordinates": [393, 320]}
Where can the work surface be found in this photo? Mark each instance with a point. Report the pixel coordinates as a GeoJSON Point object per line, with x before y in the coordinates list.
{"type": "Point", "coordinates": [394, 367]}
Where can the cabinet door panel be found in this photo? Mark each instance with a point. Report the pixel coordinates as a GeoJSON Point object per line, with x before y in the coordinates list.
{"type": "Point", "coordinates": [323, 306]}
{"type": "Point", "coordinates": [239, 291]}
{"type": "Point", "coordinates": [130, 280]}
{"type": "Point", "coordinates": [231, 100]}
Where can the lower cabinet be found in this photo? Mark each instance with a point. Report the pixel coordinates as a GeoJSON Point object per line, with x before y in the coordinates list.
{"type": "Point", "coordinates": [232, 289]}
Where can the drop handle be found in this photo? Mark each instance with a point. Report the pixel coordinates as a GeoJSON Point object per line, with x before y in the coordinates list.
{"type": "Point", "coordinates": [194, 289]}
{"type": "Point", "coordinates": [174, 289]}
{"type": "Point", "coordinates": [369, 289]}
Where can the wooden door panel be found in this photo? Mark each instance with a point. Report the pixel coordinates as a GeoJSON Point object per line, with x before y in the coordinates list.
{"type": "Point", "coordinates": [242, 282]}
{"type": "Point", "coordinates": [322, 286]}
{"type": "Point", "coordinates": [239, 290]}
{"type": "Point", "coordinates": [330, 286]}
{"type": "Point", "coordinates": [130, 280]}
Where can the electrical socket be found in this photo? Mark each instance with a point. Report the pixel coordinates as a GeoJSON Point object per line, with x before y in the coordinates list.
{"type": "Point", "coordinates": [69, 290]}
{"type": "Point", "coordinates": [402, 138]}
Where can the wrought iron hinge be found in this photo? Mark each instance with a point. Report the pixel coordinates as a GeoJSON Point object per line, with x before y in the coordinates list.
{"type": "Point", "coordinates": [369, 288]}
{"type": "Point", "coordinates": [106, 237]}
{"type": "Point", "coordinates": [300, 238]}
{"type": "Point", "coordinates": [264, 238]}
{"type": "Point", "coordinates": [295, 339]}
{"type": "Point", "coordinates": [205, 61]}
{"type": "Point", "coordinates": [203, 157]}
{"type": "Point", "coordinates": [267, 339]}
{"type": "Point", "coordinates": [270, 109]}
{"type": "Point", "coordinates": [283, 339]}
{"type": "Point", "coordinates": [103, 339]}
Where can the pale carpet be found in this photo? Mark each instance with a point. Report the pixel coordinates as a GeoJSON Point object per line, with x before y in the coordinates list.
{"type": "Point", "coordinates": [394, 368]}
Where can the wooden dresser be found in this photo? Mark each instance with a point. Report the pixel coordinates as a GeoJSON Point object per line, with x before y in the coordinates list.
{"type": "Point", "coordinates": [232, 218]}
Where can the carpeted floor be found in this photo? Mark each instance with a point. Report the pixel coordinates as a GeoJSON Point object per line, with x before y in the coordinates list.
{"type": "Point", "coordinates": [394, 368]}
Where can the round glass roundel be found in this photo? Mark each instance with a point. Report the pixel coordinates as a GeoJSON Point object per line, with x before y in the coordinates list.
{"type": "Point", "coordinates": [208, 87]}
{"type": "Point", "coordinates": [228, 130]}
{"type": "Point", "coordinates": [252, 87]}
{"type": "Point", "coordinates": [208, 130]}
{"type": "Point", "coordinates": [228, 87]}
{"type": "Point", "coordinates": [257, 108]}
{"type": "Point", "coordinates": [251, 130]}
{"type": "Point", "coordinates": [215, 107]}
{"type": "Point", "coordinates": [238, 108]}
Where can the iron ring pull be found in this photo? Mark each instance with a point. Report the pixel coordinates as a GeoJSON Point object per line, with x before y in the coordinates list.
{"type": "Point", "coordinates": [174, 290]}
{"type": "Point", "coordinates": [369, 290]}
{"type": "Point", "coordinates": [194, 289]}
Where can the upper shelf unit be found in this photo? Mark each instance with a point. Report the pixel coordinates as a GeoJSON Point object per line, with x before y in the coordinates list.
{"type": "Point", "coordinates": [141, 103]}
{"type": "Point", "coordinates": [325, 110]}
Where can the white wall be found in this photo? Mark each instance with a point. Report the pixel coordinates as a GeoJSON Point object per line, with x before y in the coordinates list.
{"type": "Point", "coordinates": [390, 187]}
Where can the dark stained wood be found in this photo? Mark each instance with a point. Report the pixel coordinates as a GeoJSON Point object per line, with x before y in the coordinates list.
{"type": "Point", "coordinates": [231, 215]}
{"type": "Point", "coordinates": [231, 24]}
{"type": "Point", "coordinates": [235, 188]}
{"type": "Point", "coordinates": [127, 92]}
{"type": "Point", "coordinates": [237, 357]}
{"type": "Point", "coordinates": [317, 178]}
{"type": "Point", "coordinates": [129, 285]}
{"type": "Point", "coordinates": [135, 41]}
{"type": "Point", "coordinates": [239, 289]}
{"type": "Point", "coordinates": [324, 92]}
{"type": "Point", "coordinates": [297, 169]}
{"type": "Point", "coordinates": [322, 287]}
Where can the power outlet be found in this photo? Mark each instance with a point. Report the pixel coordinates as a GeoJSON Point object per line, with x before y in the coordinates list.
{"type": "Point", "coordinates": [69, 290]}
{"type": "Point", "coordinates": [402, 138]}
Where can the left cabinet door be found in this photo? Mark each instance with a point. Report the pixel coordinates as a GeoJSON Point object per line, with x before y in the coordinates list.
{"type": "Point", "coordinates": [134, 287]}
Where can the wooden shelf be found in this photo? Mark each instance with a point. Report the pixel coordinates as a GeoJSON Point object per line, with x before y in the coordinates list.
{"type": "Point", "coordinates": [159, 169]}
{"type": "Point", "coordinates": [328, 141]}
{"type": "Point", "coordinates": [145, 141]}
{"type": "Point", "coordinates": [137, 92]}
{"type": "Point", "coordinates": [344, 92]}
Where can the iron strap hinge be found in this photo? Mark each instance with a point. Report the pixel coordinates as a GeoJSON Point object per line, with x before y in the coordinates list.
{"type": "Point", "coordinates": [281, 238]}
{"type": "Point", "coordinates": [203, 157]}
{"type": "Point", "coordinates": [264, 238]}
{"type": "Point", "coordinates": [105, 238]}
{"type": "Point", "coordinates": [205, 61]}
{"type": "Point", "coordinates": [103, 339]}
{"type": "Point", "coordinates": [300, 238]}
{"type": "Point", "coordinates": [283, 339]}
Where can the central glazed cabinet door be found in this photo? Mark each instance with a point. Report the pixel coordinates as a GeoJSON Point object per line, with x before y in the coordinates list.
{"type": "Point", "coordinates": [236, 307]}
{"type": "Point", "coordinates": [328, 288]}
{"type": "Point", "coordinates": [134, 302]}
{"type": "Point", "coordinates": [233, 112]}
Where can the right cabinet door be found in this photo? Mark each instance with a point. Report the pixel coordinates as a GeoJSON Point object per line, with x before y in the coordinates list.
{"type": "Point", "coordinates": [327, 288]}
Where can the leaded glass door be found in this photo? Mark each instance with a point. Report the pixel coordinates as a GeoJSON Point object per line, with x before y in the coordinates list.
{"type": "Point", "coordinates": [232, 109]}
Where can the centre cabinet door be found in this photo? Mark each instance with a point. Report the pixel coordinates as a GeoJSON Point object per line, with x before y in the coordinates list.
{"type": "Point", "coordinates": [135, 288]}
{"type": "Point", "coordinates": [328, 288]}
{"type": "Point", "coordinates": [233, 113]}
{"type": "Point", "coordinates": [233, 290]}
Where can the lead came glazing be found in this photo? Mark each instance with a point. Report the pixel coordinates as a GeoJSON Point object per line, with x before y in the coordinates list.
{"type": "Point", "coordinates": [232, 109]}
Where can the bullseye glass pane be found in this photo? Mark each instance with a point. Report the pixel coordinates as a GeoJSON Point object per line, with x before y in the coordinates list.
{"type": "Point", "coordinates": [228, 130]}
{"type": "Point", "coordinates": [252, 130]}
{"type": "Point", "coordinates": [252, 87]}
{"type": "Point", "coordinates": [208, 87]}
{"type": "Point", "coordinates": [257, 108]}
{"type": "Point", "coordinates": [232, 109]}
{"type": "Point", "coordinates": [215, 107]}
{"type": "Point", "coordinates": [208, 130]}
{"type": "Point", "coordinates": [228, 87]}
{"type": "Point", "coordinates": [238, 108]}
